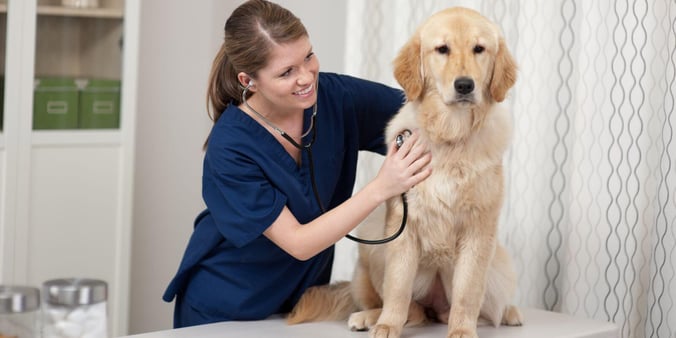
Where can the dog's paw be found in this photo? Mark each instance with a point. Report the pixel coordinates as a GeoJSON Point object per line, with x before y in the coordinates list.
{"type": "Point", "coordinates": [512, 316]}
{"type": "Point", "coordinates": [462, 333]}
{"type": "Point", "coordinates": [363, 320]}
{"type": "Point", "coordinates": [416, 315]}
{"type": "Point", "coordinates": [384, 331]}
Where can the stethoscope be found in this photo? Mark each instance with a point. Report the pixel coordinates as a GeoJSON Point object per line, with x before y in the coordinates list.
{"type": "Point", "coordinates": [308, 147]}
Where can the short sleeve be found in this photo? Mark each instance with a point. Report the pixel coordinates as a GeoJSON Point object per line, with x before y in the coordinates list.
{"type": "Point", "coordinates": [374, 104]}
{"type": "Point", "coordinates": [239, 196]}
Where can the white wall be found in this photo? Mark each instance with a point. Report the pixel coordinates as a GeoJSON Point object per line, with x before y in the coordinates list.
{"type": "Point", "coordinates": [178, 41]}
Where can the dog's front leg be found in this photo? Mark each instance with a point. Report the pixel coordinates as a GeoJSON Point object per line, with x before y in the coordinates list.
{"type": "Point", "coordinates": [401, 265]}
{"type": "Point", "coordinates": [466, 284]}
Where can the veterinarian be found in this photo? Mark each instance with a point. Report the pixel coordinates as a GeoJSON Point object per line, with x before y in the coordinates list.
{"type": "Point", "coordinates": [279, 171]}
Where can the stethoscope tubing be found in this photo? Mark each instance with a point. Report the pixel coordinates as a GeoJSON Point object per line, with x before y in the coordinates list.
{"type": "Point", "coordinates": [308, 148]}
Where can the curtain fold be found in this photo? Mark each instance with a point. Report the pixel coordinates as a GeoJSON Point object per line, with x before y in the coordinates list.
{"type": "Point", "coordinates": [590, 202]}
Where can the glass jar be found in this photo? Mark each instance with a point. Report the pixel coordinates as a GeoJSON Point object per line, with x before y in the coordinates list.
{"type": "Point", "coordinates": [75, 307]}
{"type": "Point", "coordinates": [19, 312]}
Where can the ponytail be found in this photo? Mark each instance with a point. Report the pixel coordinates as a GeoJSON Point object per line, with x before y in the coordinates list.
{"type": "Point", "coordinates": [224, 88]}
{"type": "Point", "coordinates": [218, 93]}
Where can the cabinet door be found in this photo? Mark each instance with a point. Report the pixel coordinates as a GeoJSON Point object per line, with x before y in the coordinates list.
{"type": "Point", "coordinates": [78, 64]}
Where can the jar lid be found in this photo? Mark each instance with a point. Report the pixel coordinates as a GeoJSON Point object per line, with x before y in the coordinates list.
{"type": "Point", "coordinates": [75, 291]}
{"type": "Point", "coordinates": [15, 299]}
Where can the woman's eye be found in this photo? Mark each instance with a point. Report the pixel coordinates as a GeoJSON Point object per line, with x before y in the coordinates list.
{"type": "Point", "coordinates": [309, 56]}
{"type": "Point", "coordinates": [478, 49]}
{"type": "Point", "coordinates": [443, 49]}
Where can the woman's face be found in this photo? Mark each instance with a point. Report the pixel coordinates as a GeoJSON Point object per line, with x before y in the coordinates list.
{"type": "Point", "coordinates": [288, 82]}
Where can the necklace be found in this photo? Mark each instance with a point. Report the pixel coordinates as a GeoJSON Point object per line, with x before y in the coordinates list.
{"type": "Point", "coordinates": [279, 130]}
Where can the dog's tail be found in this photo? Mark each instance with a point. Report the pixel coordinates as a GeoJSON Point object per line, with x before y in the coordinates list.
{"type": "Point", "coordinates": [321, 303]}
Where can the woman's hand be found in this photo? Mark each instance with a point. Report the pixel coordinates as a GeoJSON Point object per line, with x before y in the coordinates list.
{"type": "Point", "coordinates": [405, 167]}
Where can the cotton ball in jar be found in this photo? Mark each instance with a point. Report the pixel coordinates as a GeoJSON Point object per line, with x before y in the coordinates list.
{"type": "Point", "coordinates": [75, 308]}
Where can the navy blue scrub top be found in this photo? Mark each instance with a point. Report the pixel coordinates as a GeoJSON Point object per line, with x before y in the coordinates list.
{"type": "Point", "coordinates": [230, 270]}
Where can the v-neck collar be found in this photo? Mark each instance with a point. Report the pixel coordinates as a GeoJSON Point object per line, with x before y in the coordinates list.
{"type": "Point", "coordinates": [274, 144]}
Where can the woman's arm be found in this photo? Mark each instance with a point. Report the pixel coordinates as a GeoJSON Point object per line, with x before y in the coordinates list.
{"type": "Point", "coordinates": [401, 170]}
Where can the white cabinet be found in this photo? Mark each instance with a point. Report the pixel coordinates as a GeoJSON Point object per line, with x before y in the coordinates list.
{"type": "Point", "coordinates": [66, 194]}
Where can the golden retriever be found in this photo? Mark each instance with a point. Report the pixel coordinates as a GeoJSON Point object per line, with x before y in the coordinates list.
{"type": "Point", "coordinates": [447, 265]}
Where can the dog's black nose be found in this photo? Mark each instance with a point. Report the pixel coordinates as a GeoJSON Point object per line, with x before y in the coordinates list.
{"type": "Point", "coordinates": [464, 85]}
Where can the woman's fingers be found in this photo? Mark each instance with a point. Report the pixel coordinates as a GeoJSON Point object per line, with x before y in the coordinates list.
{"type": "Point", "coordinates": [421, 168]}
{"type": "Point", "coordinates": [406, 164]}
{"type": "Point", "coordinates": [420, 163]}
{"type": "Point", "coordinates": [409, 143]}
{"type": "Point", "coordinates": [412, 149]}
{"type": "Point", "coordinates": [415, 158]}
{"type": "Point", "coordinates": [392, 149]}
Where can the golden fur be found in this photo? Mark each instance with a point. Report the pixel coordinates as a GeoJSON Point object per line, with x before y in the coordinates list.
{"type": "Point", "coordinates": [454, 70]}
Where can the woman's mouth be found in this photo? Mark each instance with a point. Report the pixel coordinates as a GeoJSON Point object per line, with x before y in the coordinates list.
{"type": "Point", "coordinates": [305, 91]}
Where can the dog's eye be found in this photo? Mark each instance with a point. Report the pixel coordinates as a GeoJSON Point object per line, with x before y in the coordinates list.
{"type": "Point", "coordinates": [443, 49]}
{"type": "Point", "coordinates": [478, 49]}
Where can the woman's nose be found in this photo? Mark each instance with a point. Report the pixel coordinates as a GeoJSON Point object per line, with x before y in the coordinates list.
{"type": "Point", "coordinates": [307, 76]}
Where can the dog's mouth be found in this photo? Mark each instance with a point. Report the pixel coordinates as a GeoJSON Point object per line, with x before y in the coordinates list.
{"type": "Point", "coordinates": [463, 99]}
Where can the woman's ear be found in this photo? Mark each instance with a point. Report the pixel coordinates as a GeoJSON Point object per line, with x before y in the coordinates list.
{"type": "Point", "coordinates": [408, 70]}
{"type": "Point", "coordinates": [245, 80]}
{"type": "Point", "coordinates": [504, 72]}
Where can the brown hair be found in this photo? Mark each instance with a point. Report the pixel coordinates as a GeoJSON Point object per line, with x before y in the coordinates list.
{"type": "Point", "coordinates": [250, 32]}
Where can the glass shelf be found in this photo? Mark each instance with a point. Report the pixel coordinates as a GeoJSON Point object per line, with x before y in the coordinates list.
{"type": "Point", "coordinates": [101, 13]}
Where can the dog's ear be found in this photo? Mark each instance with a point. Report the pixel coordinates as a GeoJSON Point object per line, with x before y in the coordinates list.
{"type": "Point", "coordinates": [408, 69]}
{"type": "Point", "coordinates": [504, 72]}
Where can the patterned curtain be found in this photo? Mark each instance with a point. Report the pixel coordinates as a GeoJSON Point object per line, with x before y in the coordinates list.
{"type": "Point", "coordinates": [591, 179]}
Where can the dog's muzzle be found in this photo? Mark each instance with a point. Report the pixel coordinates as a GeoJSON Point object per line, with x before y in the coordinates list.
{"type": "Point", "coordinates": [464, 90]}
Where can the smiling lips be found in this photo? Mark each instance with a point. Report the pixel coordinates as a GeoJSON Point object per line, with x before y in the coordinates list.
{"type": "Point", "coordinates": [305, 91]}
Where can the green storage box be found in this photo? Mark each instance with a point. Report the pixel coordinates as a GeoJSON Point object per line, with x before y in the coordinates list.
{"type": "Point", "coordinates": [100, 104]}
{"type": "Point", "coordinates": [55, 104]}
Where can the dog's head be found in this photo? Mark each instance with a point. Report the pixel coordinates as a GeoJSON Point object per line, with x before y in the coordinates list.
{"type": "Point", "coordinates": [459, 54]}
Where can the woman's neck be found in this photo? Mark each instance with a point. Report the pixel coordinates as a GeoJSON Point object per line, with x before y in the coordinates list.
{"type": "Point", "coordinates": [290, 122]}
